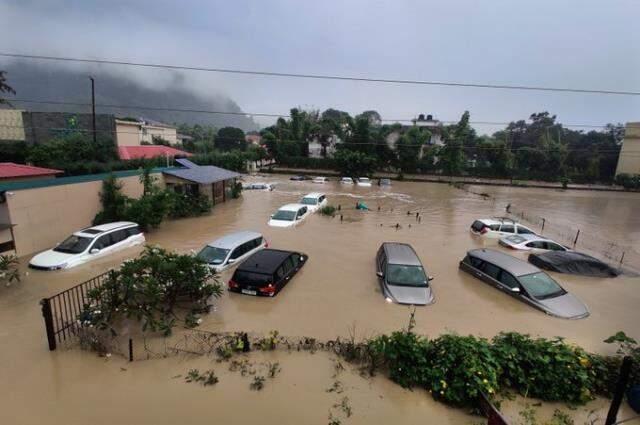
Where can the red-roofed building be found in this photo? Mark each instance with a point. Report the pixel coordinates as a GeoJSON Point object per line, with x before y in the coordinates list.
{"type": "Point", "coordinates": [149, 151]}
{"type": "Point", "coordinates": [10, 171]}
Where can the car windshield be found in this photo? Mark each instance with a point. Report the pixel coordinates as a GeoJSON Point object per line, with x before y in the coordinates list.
{"type": "Point", "coordinates": [73, 245]}
{"type": "Point", "coordinates": [251, 278]}
{"type": "Point", "coordinates": [213, 255]}
{"type": "Point", "coordinates": [309, 201]}
{"type": "Point", "coordinates": [406, 275]}
{"type": "Point", "coordinates": [540, 285]}
{"type": "Point", "coordinates": [284, 215]}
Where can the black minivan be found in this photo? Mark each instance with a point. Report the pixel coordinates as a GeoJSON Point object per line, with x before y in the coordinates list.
{"type": "Point", "coordinates": [266, 272]}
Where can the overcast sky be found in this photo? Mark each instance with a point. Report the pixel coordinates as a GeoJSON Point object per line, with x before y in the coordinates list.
{"type": "Point", "coordinates": [568, 43]}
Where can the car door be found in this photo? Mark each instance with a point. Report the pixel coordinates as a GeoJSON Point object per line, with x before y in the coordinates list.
{"type": "Point", "coordinates": [552, 246]}
{"type": "Point", "coordinates": [102, 244]}
{"type": "Point", "coordinates": [490, 274]}
{"type": "Point", "coordinates": [509, 283]}
{"type": "Point", "coordinates": [536, 246]}
{"type": "Point", "coordinates": [236, 254]}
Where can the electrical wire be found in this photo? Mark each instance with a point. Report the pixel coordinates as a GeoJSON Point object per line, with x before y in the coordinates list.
{"type": "Point", "coordinates": [323, 76]}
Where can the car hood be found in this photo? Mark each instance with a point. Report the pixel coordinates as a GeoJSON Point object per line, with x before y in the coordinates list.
{"type": "Point", "coordinates": [567, 306]}
{"type": "Point", "coordinates": [51, 258]}
{"type": "Point", "coordinates": [409, 294]}
{"type": "Point", "coordinates": [280, 223]}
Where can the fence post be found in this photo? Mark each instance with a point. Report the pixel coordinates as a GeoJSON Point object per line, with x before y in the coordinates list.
{"type": "Point", "coordinates": [621, 386]}
{"type": "Point", "coordinates": [130, 349]}
{"type": "Point", "coordinates": [575, 241]}
{"type": "Point", "coordinates": [542, 230]}
{"type": "Point", "coordinates": [622, 258]}
{"type": "Point", "coordinates": [47, 314]}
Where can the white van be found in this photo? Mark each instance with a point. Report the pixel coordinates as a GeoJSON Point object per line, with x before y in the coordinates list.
{"type": "Point", "coordinates": [89, 244]}
{"type": "Point", "coordinates": [232, 249]}
{"type": "Point", "coordinates": [314, 201]}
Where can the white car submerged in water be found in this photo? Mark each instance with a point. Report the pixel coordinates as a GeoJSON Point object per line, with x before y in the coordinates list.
{"type": "Point", "coordinates": [314, 201]}
{"type": "Point", "coordinates": [89, 244]}
{"type": "Point", "coordinates": [289, 215]}
{"type": "Point", "coordinates": [364, 182]}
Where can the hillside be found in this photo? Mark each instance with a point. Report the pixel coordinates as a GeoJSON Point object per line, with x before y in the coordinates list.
{"type": "Point", "coordinates": [39, 82]}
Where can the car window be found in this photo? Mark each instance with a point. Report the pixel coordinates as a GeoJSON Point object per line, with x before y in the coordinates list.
{"type": "Point", "coordinates": [133, 231]}
{"type": "Point", "coordinates": [554, 246]}
{"type": "Point", "coordinates": [288, 265]}
{"type": "Point", "coordinates": [237, 253]}
{"type": "Point", "coordinates": [398, 274]}
{"type": "Point", "coordinates": [494, 227]}
{"type": "Point", "coordinates": [508, 280]}
{"type": "Point", "coordinates": [524, 231]}
{"type": "Point", "coordinates": [284, 215]}
{"type": "Point", "coordinates": [541, 285]}
{"type": "Point", "coordinates": [537, 244]}
{"type": "Point", "coordinates": [73, 245]}
{"type": "Point", "coordinates": [280, 272]}
{"type": "Point", "coordinates": [490, 270]}
{"type": "Point", "coordinates": [321, 198]}
{"type": "Point", "coordinates": [102, 242]}
{"type": "Point", "coordinates": [119, 236]}
{"type": "Point", "coordinates": [213, 255]}
{"type": "Point", "coordinates": [507, 228]}
{"type": "Point", "coordinates": [476, 262]}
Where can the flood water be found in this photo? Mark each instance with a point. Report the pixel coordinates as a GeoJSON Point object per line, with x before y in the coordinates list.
{"type": "Point", "coordinates": [335, 294]}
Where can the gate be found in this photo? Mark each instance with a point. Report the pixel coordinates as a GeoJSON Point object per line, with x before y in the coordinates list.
{"type": "Point", "coordinates": [61, 311]}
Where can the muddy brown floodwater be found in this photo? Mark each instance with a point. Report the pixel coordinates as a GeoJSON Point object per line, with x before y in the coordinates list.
{"type": "Point", "coordinates": [336, 293]}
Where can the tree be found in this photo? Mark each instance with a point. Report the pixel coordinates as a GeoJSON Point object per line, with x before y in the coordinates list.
{"type": "Point", "coordinates": [5, 88]}
{"type": "Point", "coordinates": [374, 117]}
{"type": "Point", "coordinates": [409, 148]}
{"type": "Point", "coordinates": [230, 138]}
{"type": "Point", "coordinates": [452, 153]}
{"type": "Point", "coordinates": [354, 163]}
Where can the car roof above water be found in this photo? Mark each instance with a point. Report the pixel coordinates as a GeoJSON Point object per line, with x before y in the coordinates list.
{"type": "Point", "coordinates": [264, 261]}
{"type": "Point", "coordinates": [401, 253]}
{"type": "Point", "coordinates": [101, 228]}
{"type": "Point", "coordinates": [291, 207]}
{"type": "Point", "coordinates": [313, 195]}
{"type": "Point", "coordinates": [234, 239]}
{"type": "Point", "coordinates": [511, 264]}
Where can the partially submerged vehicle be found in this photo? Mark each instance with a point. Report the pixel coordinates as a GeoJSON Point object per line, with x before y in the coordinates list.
{"type": "Point", "coordinates": [232, 249]}
{"type": "Point", "coordinates": [289, 215]}
{"type": "Point", "coordinates": [402, 277]}
{"type": "Point", "coordinates": [314, 201]}
{"type": "Point", "coordinates": [320, 180]}
{"type": "Point", "coordinates": [258, 186]}
{"type": "Point", "coordinates": [523, 281]}
{"type": "Point", "coordinates": [266, 272]}
{"type": "Point", "coordinates": [346, 180]}
{"type": "Point", "coordinates": [363, 181]}
{"type": "Point", "coordinates": [384, 182]}
{"type": "Point", "coordinates": [89, 244]}
{"type": "Point", "coordinates": [531, 242]}
{"type": "Point", "coordinates": [300, 178]}
{"type": "Point", "coordinates": [498, 227]}
{"type": "Point", "coordinates": [573, 263]}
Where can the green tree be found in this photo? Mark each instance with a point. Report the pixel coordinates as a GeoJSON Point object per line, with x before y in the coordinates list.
{"type": "Point", "coordinates": [112, 200]}
{"type": "Point", "coordinates": [5, 88]}
{"type": "Point", "coordinates": [354, 163]}
{"type": "Point", "coordinates": [409, 148]}
{"type": "Point", "coordinates": [453, 158]}
{"type": "Point", "coordinates": [230, 138]}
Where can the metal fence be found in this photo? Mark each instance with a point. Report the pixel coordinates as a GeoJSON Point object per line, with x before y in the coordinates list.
{"type": "Point", "coordinates": [61, 311]}
{"type": "Point", "coordinates": [581, 239]}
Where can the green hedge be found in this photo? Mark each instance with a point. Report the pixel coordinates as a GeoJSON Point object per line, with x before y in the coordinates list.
{"type": "Point", "coordinates": [305, 162]}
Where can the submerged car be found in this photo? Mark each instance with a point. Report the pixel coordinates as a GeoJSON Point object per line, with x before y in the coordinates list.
{"type": "Point", "coordinates": [363, 181]}
{"type": "Point", "coordinates": [231, 249]}
{"type": "Point", "coordinates": [89, 244]}
{"type": "Point", "coordinates": [300, 178]}
{"type": "Point", "coordinates": [574, 263]}
{"type": "Point", "coordinates": [258, 186]}
{"type": "Point", "coordinates": [524, 282]}
{"type": "Point", "coordinates": [320, 180]}
{"type": "Point", "coordinates": [384, 182]}
{"type": "Point", "coordinates": [531, 242]}
{"type": "Point", "coordinates": [346, 180]}
{"type": "Point", "coordinates": [266, 272]}
{"type": "Point", "coordinates": [314, 201]}
{"type": "Point", "coordinates": [289, 215]}
{"type": "Point", "coordinates": [498, 227]}
{"type": "Point", "coordinates": [402, 277]}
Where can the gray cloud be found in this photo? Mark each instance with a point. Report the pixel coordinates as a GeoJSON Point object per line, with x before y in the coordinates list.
{"type": "Point", "coordinates": [583, 44]}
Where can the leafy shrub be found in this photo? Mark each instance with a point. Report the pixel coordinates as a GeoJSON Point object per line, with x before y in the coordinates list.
{"type": "Point", "coordinates": [549, 369]}
{"type": "Point", "coordinates": [628, 181]}
{"type": "Point", "coordinates": [9, 268]}
{"type": "Point", "coordinates": [305, 162]}
{"type": "Point", "coordinates": [329, 210]}
{"type": "Point", "coordinates": [405, 355]}
{"type": "Point", "coordinates": [187, 205]}
{"type": "Point", "coordinates": [149, 210]}
{"type": "Point", "coordinates": [149, 289]}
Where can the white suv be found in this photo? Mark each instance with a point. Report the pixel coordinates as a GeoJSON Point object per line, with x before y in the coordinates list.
{"type": "Point", "coordinates": [232, 249]}
{"type": "Point", "coordinates": [499, 227]}
{"type": "Point", "coordinates": [289, 215]}
{"type": "Point", "coordinates": [314, 201]}
{"type": "Point", "coordinates": [88, 244]}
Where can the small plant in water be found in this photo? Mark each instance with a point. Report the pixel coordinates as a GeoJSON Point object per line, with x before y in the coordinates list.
{"type": "Point", "coordinates": [345, 406]}
{"type": "Point", "coordinates": [207, 378]}
{"type": "Point", "coordinates": [333, 420]}
{"type": "Point", "coordinates": [328, 210]}
{"type": "Point", "coordinates": [335, 388]}
{"type": "Point", "coordinates": [273, 369]}
{"type": "Point", "coordinates": [258, 383]}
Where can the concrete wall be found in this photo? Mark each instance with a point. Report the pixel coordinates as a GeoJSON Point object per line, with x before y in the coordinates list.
{"type": "Point", "coordinates": [629, 159]}
{"type": "Point", "coordinates": [128, 134]}
{"type": "Point", "coordinates": [168, 134]}
{"type": "Point", "coordinates": [47, 215]}
{"type": "Point", "coordinates": [11, 127]}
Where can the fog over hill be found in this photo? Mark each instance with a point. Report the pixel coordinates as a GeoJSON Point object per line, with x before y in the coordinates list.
{"type": "Point", "coordinates": [128, 88]}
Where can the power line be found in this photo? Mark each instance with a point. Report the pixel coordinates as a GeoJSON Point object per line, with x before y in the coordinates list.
{"type": "Point", "coordinates": [264, 114]}
{"type": "Point", "coordinates": [324, 76]}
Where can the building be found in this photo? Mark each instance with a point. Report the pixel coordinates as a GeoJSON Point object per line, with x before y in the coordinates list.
{"type": "Point", "coordinates": [11, 172]}
{"type": "Point", "coordinates": [150, 151]}
{"type": "Point", "coordinates": [629, 159]}
{"type": "Point", "coordinates": [434, 127]}
{"type": "Point", "coordinates": [213, 182]}
{"type": "Point", "coordinates": [141, 131]}
{"type": "Point", "coordinates": [11, 126]}
{"type": "Point", "coordinates": [253, 139]}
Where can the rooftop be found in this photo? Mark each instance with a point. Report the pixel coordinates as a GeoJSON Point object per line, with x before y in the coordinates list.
{"type": "Point", "coordinates": [264, 261]}
{"type": "Point", "coordinates": [401, 253]}
{"type": "Point", "coordinates": [231, 240]}
{"type": "Point", "coordinates": [511, 264]}
{"type": "Point", "coordinates": [9, 170]}
{"type": "Point", "coordinates": [149, 151]}
{"type": "Point", "coordinates": [201, 174]}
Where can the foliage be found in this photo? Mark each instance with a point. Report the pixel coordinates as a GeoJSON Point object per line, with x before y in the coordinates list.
{"type": "Point", "coordinates": [308, 163]}
{"type": "Point", "coordinates": [9, 268]}
{"type": "Point", "coordinates": [628, 181]}
{"type": "Point", "coordinates": [149, 210]}
{"type": "Point", "coordinates": [15, 151]}
{"type": "Point", "coordinates": [236, 190]}
{"type": "Point", "coordinates": [187, 205]}
{"type": "Point", "coordinates": [205, 378]}
{"type": "Point", "coordinates": [409, 148]}
{"type": "Point", "coordinates": [258, 383]}
{"type": "Point", "coordinates": [149, 289]}
{"type": "Point", "coordinates": [354, 163]}
{"type": "Point", "coordinates": [112, 200]}
{"type": "Point", "coordinates": [328, 210]}
{"type": "Point", "coordinates": [230, 138]}
{"type": "Point", "coordinates": [234, 160]}
{"type": "Point", "coordinates": [158, 140]}
{"type": "Point", "coordinates": [72, 148]}
{"type": "Point", "coordinates": [4, 87]}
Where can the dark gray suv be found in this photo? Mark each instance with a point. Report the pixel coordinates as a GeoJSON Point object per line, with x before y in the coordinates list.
{"type": "Point", "coordinates": [523, 281]}
{"type": "Point", "coordinates": [402, 278]}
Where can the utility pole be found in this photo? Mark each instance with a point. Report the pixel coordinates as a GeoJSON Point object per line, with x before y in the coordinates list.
{"type": "Point", "coordinates": [93, 108]}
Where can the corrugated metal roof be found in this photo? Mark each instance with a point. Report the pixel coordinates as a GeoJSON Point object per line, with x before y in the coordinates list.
{"type": "Point", "coordinates": [10, 170]}
{"type": "Point", "coordinates": [205, 174]}
{"type": "Point", "coordinates": [186, 163]}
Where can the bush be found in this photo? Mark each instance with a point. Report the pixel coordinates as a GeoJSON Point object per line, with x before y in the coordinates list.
{"type": "Point", "coordinates": [9, 268]}
{"type": "Point", "coordinates": [149, 210]}
{"type": "Point", "coordinates": [149, 289]}
{"type": "Point", "coordinates": [184, 205]}
{"type": "Point", "coordinates": [329, 210]}
{"type": "Point", "coordinates": [628, 181]}
{"type": "Point", "coordinates": [305, 162]}
{"type": "Point", "coordinates": [405, 356]}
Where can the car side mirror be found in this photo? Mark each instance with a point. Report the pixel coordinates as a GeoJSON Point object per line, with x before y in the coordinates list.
{"type": "Point", "coordinates": [272, 215]}
{"type": "Point", "coordinates": [231, 261]}
{"type": "Point", "coordinates": [516, 290]}
{"type": "Point", "coordinates": [94, 251]}
{"type": "Point", "coordinates": [430, 278]}
{"type": "Point", "coordinates": [380, 275]}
